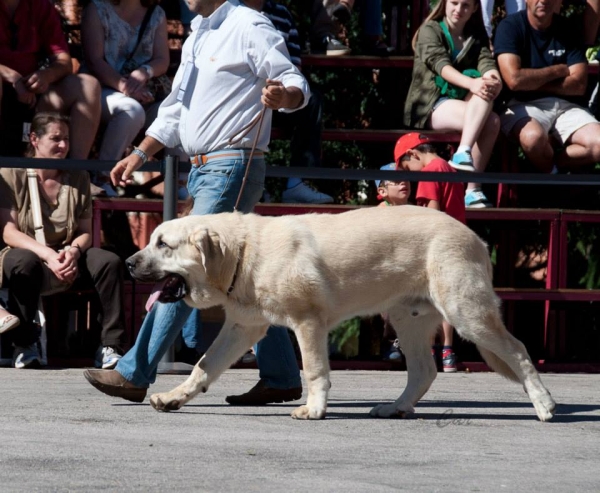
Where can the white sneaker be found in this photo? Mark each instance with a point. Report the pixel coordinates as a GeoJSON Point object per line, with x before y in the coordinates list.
{"type": "Point", "coordinates": [27, 357]}
{"type": "Point", "coordinates": [303, 194]}
{"type": "Point", "coordinates": [106, 358]}
{"type": "Point", "coordinates": [335, 47]}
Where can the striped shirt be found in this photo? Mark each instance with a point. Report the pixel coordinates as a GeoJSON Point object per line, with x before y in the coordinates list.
{"type": "Point", "coordinates": [283, 21]}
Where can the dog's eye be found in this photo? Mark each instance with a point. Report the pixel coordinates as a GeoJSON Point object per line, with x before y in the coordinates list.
{"type": "Point", "coordinates": [161, 244]}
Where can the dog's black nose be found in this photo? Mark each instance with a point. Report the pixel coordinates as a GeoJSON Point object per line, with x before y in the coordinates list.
{"type": "Point", "coordinates": [130, 263]}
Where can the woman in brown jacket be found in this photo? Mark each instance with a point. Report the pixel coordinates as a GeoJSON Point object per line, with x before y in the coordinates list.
{"type": "Point", "coordinates": [455, 81]}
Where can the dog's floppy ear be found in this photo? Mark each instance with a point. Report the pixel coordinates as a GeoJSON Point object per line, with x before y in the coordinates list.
{"type": "Point", "coordinates": [208, 244]}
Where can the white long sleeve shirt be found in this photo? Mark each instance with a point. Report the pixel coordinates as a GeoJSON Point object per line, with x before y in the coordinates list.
{"type": "Point", "coordinates": [233, 52]}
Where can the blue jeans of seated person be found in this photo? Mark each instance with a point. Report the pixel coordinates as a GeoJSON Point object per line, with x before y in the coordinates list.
{"type": "Point", "coordinates": [215, 188]}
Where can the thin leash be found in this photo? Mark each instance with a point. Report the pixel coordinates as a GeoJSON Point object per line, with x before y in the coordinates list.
{"type": "Point", "coordinates": [252, 150]}
{"type": "Point", "coordinates": [244, 131]}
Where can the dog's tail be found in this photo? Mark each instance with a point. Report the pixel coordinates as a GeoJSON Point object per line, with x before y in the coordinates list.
{"type": "Point", "coordinates": [498, 365]}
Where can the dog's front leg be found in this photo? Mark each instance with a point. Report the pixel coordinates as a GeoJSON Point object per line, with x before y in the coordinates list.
{"type": "Point", "coordinates": [231, 343]}
{"type": "Point", "coordinates": [312, 340]}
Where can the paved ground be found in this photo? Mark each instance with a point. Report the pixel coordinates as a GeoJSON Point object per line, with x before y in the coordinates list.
{"type": "Point", "coordinates": [473, 432]}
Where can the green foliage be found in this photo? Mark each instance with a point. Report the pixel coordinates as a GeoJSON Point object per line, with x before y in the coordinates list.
{"type": "Point", "coordinates": [344, 338]}
{"type": "Point", "coordinates": [584, 239]}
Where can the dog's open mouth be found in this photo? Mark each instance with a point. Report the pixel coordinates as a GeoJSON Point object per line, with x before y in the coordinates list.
{"type": "Point", "coordinates": [172, 288]}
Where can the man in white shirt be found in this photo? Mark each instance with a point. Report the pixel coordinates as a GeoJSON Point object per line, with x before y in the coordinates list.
{"type": "Point", "coordinates": [232, 64]}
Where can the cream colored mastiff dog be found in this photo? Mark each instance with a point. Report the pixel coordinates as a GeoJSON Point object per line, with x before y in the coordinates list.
{"type": "Point", "coordinates": [311, 272]}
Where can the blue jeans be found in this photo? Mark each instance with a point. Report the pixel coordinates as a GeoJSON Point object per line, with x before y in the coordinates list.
{"type": "Point", "coordinates": [215, 188]}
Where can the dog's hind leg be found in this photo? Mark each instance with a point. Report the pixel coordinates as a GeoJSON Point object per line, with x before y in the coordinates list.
{"type": "Point", "coordinates": [414, 327]}
{"type": "Point", "coordinates": [312, 340]}
{"type": "Point", "coordinates": [480, 322]}
{"type": "Point", "coordinates": [231, 343]}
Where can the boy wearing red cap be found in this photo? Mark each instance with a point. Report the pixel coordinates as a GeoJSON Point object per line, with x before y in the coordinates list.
{"type": "Point", "coordinates": [414, 152]}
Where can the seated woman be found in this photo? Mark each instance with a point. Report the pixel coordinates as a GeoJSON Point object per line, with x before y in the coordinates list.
{"type": "Point", "coordinates": [30, 269]}
{"type": "Point", "coordinates": [125, 46]}
{"type": "Point", "coordinates": [455, 81]}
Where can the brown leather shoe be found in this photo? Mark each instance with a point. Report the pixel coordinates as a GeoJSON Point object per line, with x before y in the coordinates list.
{"type": "Point", "coordinates": [260, 394]}
{"type": "Point", "coordinates": [112, 383]}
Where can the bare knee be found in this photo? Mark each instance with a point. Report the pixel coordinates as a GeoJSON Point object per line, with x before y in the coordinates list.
{"type": "Point", "coordinates": [531, 138]}
{"type": "Point", "coordinates": [90, 86]}
{"type": "Point", "coordinates": [75, 88]}
{"type": "Point", "coordinates": [536, 146]}
{"type": "Point", "coordinates": [592, 150]}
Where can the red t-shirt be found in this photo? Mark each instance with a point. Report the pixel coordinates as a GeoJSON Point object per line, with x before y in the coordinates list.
{"type": "Point", "coordinates": [36, 32]}
{"type": "Point", "coordinates": [451, 196]}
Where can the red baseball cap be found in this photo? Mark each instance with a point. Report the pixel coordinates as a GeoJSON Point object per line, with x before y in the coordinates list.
{"type": "Point", "coordinates": [408, 142]}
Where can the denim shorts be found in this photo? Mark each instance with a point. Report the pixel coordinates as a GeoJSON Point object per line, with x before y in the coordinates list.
{"type": "Point", "coordinates": [439, 102]}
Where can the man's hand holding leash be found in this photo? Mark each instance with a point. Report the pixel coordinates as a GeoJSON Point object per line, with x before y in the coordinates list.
{"type": "Point", "coordinates": [276, 96]}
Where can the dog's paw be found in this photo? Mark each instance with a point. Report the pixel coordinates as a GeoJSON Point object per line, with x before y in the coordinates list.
{"type": "Point", "coordinates": [389, 411]}
{"type": "Point", "coordinates": [545, 407]}
{"type": "Point", "coordinates": [161, 402]}
{"type": "Point", "coordinates": [304, 412]}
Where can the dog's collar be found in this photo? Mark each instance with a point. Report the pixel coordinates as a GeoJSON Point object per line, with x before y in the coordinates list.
{"type": "Point", "coordinates": [235, 274]}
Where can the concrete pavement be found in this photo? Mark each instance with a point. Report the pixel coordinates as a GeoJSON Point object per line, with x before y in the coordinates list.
{"type": "Point", "coordinates": [472, 432]}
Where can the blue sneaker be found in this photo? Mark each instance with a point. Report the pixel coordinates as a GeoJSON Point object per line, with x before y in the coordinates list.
{"type": "Point", "coordinates": [449, 362]}
{"type": "Point", "coordinates": [475, 199]}
{"type": "Point", "coordinates": [106, 358]}
{"type": "Point", "coordinates": [394, 353]}
{"type": "Point", "coordinates": [462, 161]}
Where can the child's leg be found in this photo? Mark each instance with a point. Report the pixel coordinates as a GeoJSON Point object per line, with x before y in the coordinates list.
{"type": "Point", "coordinates": [448, 357]}
{"type": "Point", "coordinates": [448, 334]}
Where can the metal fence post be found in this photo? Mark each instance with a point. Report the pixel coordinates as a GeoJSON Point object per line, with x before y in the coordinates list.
{"type": "Point", "coordinates": [171, 172]}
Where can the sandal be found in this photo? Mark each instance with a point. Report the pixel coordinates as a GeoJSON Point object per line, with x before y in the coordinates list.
{"type": "Point", "coordinates": [8, 322]}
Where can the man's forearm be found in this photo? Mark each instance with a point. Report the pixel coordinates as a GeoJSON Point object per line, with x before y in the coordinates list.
{"type": "Point", "coordinates": [568, 86]}
{"type": "Point", "coordinates": [9, 75]}
{"type": "Point", "coordinates": [150, 145]}
{"type": "Point", "coordinates": [533, 79]}
{"type": "Point", "coordinates": [293, 98]}
{"type": "Point", "coordinates": [58, 69]}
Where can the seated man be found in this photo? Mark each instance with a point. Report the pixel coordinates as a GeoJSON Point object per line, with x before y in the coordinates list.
{"type": "Point", "coordinates": [544, 66]}
{"type": "Point", "coordinates": [30, 35]}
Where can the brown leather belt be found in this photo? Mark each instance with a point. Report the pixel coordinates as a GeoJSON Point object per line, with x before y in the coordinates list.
{"type": "Point", "coordinates": [201, 159]}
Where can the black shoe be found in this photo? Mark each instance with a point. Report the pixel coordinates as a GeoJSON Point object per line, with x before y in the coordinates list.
{"type": "Point", "coordinates": [260, 394]}
{"type": "Point", "coordinates": [379, 48]}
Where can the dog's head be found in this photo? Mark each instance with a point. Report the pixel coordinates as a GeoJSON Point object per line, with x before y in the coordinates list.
{"type": "Point", "coordinates": [186, 258]}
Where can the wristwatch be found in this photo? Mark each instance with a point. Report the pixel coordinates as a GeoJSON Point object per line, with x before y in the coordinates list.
{"type": "Point", "coordinates": [148, 70]}
{"type": "Point", "coordinates": [143, 156]}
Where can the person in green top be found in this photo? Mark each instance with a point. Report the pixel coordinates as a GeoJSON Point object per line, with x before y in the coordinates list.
{"type": "Point", "coordinates": [454, 83]}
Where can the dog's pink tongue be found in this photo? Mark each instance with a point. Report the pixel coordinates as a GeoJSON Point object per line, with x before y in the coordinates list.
{"type": "Point", "coordinates": [156, 290]}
